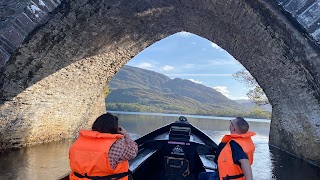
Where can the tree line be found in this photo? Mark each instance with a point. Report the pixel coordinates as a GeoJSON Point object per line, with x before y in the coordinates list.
{"type": "Point", "coordinates": [256, 112]}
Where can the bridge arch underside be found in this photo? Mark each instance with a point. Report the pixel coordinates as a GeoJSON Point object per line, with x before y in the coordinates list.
{"type": "Point", "coordinates": [53, 85]}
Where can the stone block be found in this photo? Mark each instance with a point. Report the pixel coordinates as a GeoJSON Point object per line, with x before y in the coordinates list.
{"type": "Point", "coordinates": [4, 57]}
{"type": "Point", "coordinates": [50, 5]}
{"type": "Point", "coordinates": [26, 23]}
{"type": "Point", "coordinates": [294, 6]}
{"type": "Point", "coordinates": [31, 16]}
{"type": "Point", "coordinates": [281, 2]}
{"type": "Point", "coordinates": [6, 45]}
{"type": "Point", "coordinates": [57, 2]}
{"type": "Point", "coordinates": [310, 15]}
{"type": "Point", "coordinates": [35, 13]}
{"type": "Point", "coordinates": [41, 4]}
{"type": "Point", "coordinates": [12, 35]}
{"type": "Point", "coordinates": [316, 35]}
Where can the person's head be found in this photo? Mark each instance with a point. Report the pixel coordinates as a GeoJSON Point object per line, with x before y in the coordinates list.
{"type": "Point", "coordinates": [106, 123]}
{"type": "Point", "coordinates": [238, 126]}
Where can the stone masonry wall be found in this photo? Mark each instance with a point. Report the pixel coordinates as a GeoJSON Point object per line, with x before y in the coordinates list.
{"type": "Point", "coordinates": [307, 13]}
{"type": "Point", "coordinates": [52, 85]}
{"type": "Point", "coordinates": [18, 19]}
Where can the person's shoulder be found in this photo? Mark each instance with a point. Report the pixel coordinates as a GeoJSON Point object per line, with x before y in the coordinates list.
{"type": "Point", "coordinates": [234, 145]}
{"type": "Point", "coordinates": [233, 142]}
{"type": "Point", "coordinates": [118, 144]}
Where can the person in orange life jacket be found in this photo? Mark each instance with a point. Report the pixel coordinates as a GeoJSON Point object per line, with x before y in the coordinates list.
{"type": "Point", "coordinates": [103, 152]}
{"type": "Point", "coordinates": [234, 155]}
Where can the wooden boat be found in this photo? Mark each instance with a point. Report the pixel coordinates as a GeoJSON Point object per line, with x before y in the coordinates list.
{"type": "Point", "coordinates": [176, 151]}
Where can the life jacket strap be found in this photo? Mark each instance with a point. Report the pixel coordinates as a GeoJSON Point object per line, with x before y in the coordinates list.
{"type": "Point", "coordinates": [227, 177]}
{"type": "Point", "coordinates": [109, 177]}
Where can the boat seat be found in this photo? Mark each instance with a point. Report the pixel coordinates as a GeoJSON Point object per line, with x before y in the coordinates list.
{"type": "Point", "coordinates": [178, 133]}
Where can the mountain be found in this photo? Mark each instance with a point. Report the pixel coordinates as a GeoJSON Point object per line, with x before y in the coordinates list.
{"type": "Point", "coordinates": [249, 104]}
{"type": "Point", "coordinates": [136, 89]}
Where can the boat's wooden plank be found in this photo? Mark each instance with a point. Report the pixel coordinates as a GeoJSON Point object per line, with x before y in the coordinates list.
{"type": "Point", "coordinates": [141, 157]}
{"type": "Point", "coordinates": [208, 163]}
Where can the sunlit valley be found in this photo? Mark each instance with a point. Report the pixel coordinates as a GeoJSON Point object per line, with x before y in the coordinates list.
{"type": "Point", "coordinates": [165, 79]}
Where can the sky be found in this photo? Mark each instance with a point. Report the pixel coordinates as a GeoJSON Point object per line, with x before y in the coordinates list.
{"type": "Point", "coordinates": [188, 56]}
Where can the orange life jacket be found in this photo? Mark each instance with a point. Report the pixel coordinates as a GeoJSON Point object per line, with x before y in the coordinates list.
{"type": "Point", "coordinates": [226, 165]}
{"type": "Point", "coordinates": [89, 155]}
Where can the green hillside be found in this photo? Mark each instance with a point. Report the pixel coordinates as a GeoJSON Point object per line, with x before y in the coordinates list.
{"type": "Point", "coordinates": [139, 90]}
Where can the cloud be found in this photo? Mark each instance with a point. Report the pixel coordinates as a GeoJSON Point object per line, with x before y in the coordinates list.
{"type": "Point", "coordinates": [215, 75]}
{"type": "Point", "coordinates": [184, 34]}
{"type": "Point", "coordinates": [167, 68]}
{"type": "Point", "coordinates": [215, 46]}
{"type": "Point", "coordinates": [222, 62]}
{"type": "Point", "coordinates": [195, 81]}
{"type": "Point", "coordinates": [144, 65]}
{"type": "Point", "coordinates": [239, 98]}
{"type": "Point", "coordinates": [223, 90]}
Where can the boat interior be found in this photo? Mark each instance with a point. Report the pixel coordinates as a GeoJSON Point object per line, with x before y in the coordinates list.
{"type": "Point", "coordinates": [173, 152]}
{"type": "Point", "coordinates": [176, 151]}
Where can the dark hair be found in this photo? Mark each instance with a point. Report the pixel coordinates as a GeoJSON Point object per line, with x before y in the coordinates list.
{"type": "Point", "coordinates": [242, 125]}
{"type": "Point", "coordinates": [106, 123]}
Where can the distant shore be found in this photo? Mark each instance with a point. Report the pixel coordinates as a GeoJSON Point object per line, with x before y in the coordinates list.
{"type": "Point", "coordinates": [187, 115]}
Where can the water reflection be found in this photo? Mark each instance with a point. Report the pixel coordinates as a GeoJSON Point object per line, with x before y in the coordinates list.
{"type": "Point", "coordinates": [50, 161]}
{"type": "Point", "coordinates": [294, 168]}
{"type": "Point", "coordinates": [46, 161]}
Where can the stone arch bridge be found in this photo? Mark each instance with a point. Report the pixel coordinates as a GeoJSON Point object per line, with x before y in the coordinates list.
{"type": "Point", "coordinates": [57, 56]}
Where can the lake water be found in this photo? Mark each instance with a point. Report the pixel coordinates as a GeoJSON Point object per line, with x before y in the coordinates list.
{"type": "Point", "coordinates": [50, 161]}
